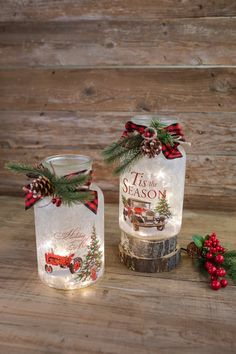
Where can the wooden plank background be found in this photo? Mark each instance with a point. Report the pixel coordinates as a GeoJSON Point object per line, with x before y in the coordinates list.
{"type": "Point", "coordinates": [61, 10]}
{"type": "Point", "coordinates": [72, 73]}
{"type": "Point", "coordinates": [184, 41]}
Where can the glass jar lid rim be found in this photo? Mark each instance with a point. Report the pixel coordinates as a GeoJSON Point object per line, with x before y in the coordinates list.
{"type": "Point", "coordinates": [80, 159]}
{"type": "Point", "coordinates": [149, 118]}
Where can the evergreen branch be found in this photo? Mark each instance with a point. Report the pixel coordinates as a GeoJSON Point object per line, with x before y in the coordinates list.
{"type": "Point", "coordinates": [76, 197]}
{"type": "Point", "coordinates": [63, 187]}
{"type": "Point", "coordinates": [64, 183]}
{"type": "Point", "coordinates": [29, 169]}
{"type": "Point", "coordinates": [230, 254]}
{"type": "Point", "coordinates": [128, 162]}
{"type": "Point", "coordinates": [111, 157]}
{"type": "Point", "coordinates": [133, 142]}
{"type": "Point", "coordinates": [163, 135]}
{"type": "Point", "coordinates": [124, 152]}
{"type": "Point", "coordinates": [19, 168]}
{"type": "Point", "coordinates": [156, 124]}
{"type": "Point", "coordinates": [120, 148]}
{"type": "Point", "coordinates": [110, 149]}
{"type": "Point", "coordinates": [199, 264]}
{"type": "Point", "coordinates": [67, 189]}
{"type": "Point", "coordinates": [230, 265]}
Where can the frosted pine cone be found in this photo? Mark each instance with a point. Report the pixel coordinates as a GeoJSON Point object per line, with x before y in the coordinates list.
{"type": "Point", "coordinates": [41, 186]}
{"type": "Point", "coordinates": [151, 148]}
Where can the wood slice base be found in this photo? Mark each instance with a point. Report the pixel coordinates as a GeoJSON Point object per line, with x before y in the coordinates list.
{"type": "Point", "coordinates": [147, 265]}
{"type": "Point", "coordinates": [144, 248]}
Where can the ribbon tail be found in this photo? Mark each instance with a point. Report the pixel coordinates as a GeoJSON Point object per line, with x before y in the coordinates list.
{"type": "Point", "coordinates": [176, 130]}
{"type": "Point", "coordinates": [30, 200]}
{"type": "Point", "coordinates": [171, 152]}
{"type": "Point", "coordinates": [92, 204]}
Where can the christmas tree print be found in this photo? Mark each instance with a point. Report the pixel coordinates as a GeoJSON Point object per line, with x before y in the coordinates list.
{"type": "Point", "coordinates": [93, 260]}
{"type": "Point", "coordinates": [163, 207]}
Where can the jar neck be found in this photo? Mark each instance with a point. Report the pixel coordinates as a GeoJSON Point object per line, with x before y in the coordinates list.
{"type": "Point", "coordinates": [147, 119]}
{"type": "Point", "coordinates": [62, 165]}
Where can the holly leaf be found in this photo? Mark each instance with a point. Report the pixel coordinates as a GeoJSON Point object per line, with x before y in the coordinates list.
{"type": "Point", "coordinates": [198, 240]}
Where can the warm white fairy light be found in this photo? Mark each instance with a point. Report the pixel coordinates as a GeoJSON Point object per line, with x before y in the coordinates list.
{"type": "Point", "coordinates": [147, 181]}
{"type": "Point", "coordinates": [63, 236]}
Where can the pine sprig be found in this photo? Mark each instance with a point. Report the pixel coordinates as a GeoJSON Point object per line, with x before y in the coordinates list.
{"type": "Point", "coordinates": [199, 264]}
{"type": "Point", "coordinates": [130, 159]}
{"type": "Point", "coordinates": [163, 135]}
{"type": "Point", "coordinates": [111, 149]}
{"type": "Point", "coordinates": [64, 183]}
{"type": "Point", "coordinates": [64, 187]}
{"type": "Point", "coordinates": [74, 197]}
{"type": "Point", "coordinates": [114, 152]}
{"type": "Point", "coordinates": [22, 168]}
{"type": "Point", "coordinates": [230, 254]}
{"type": "Point", "coordinates": [127, 150]}
{"type": "Point", "coordinates": [120, 148]}
{"type": "Point", "coordinates": [230, 264]}
{"type": "Point", "coordinates": [156, 124]}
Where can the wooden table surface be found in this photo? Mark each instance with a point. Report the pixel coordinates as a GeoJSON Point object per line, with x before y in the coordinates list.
{"type": "Point", "coordinates": [125, 312]}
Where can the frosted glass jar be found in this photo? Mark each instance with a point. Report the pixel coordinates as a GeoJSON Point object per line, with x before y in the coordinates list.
{"type": "Point", "coordinates": [151, 194]}
{"type": "Point", "coordinates": [70, 240]}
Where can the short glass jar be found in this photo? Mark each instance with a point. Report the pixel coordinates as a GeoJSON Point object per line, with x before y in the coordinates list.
{"type": "Point", "coordinates": [152, 192]}
{"type": "Point", "coordinates": [69, 239]}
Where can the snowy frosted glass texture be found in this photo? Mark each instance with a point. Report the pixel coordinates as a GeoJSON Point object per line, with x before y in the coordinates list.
{"type": "Point", "coordinates": [151, 197]}
{"type": "Point", "coordinates": [70, 240]}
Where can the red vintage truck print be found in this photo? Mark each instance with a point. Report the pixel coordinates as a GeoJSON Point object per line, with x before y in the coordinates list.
{"type": "Point", "coordinates": [73, 263]}
{"type": "Point", "coordinates": [140, 214]}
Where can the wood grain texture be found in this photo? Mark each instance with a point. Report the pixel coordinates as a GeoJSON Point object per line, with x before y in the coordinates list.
{"type": "Point", "coordinates": [61, 10]}
{"type": "Point", "coordinates": [209, 176]}
{"type": "Point", "coordinates": [211, 165]}
{"type": "Point", "coordinates": [209, 41]}
{"type": "Point", "coordinates": [156, 90]}
{"type": "Point", "coordinates": [149, 265]}
{"type": "Point", "coordinates": [211, 133]}
{"type": "Point", "coordinates": [70, 68]}
{"type": "Point", "coordinates": [143, 248]}
{"type": "Point", "coordinates": [44, 320]}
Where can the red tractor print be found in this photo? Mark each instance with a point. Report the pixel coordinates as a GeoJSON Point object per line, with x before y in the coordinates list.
{"type": "Point", "coordinates": [74, 264]}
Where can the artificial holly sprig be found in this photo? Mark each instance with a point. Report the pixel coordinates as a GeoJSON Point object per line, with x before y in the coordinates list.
{"type": "Point", "coordinates": [213, 260]}
{"type": "Point", "coordinates": [64, 189]}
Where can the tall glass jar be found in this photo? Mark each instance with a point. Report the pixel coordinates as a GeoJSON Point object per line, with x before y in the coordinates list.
{"type": "Point", "coordinates": [151, 194]}
{"type": "Point", "coordinates": [69, 239]}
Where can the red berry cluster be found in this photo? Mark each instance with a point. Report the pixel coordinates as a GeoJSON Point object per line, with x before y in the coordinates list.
{"type": "Point", "coordinates": [149, 133]}
{"type": "Point", "coordinates": [57, 201]}
{"type": "Point", "coordinates": [214, 258]}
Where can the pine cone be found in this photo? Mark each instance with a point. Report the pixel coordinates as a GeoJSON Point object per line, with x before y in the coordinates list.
{"type": "Point", "coordinates": [193, 251]}
{"type": "Point", "coordinates": [151, 148]}
{"type": "Point", "coordinates": [41, 186]}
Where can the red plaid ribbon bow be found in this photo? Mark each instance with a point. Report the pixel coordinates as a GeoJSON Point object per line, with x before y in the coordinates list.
{"type": "Point", "coordinates": [92, 205]}
{"type": "Point", "coordinates": [170, 152]}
